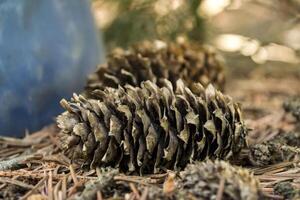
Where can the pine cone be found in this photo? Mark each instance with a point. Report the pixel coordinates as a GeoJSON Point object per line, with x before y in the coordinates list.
{"type": "Point", "coordinates": [292, 105]}
{"type": "Point", "coordinates": [149, 127]}
{"type": "Point", "coordinates": [284, 147]}
{"type": "Point", "coordinates": [203, 181]}
{"type": "Point", "coordinates": [287, 190]}
{"type": "Point", "coordinates": [156, 61]}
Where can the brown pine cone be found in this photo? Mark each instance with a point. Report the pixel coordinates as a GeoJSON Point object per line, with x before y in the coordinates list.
{"type": "Point", "coordinates": [292, 105]}
{"type": "Point", "coordinates": [149, 128]}
{"type": "Point", "coordinates": [203, 181]}
{"type": "Point", "coordinates": [156, 61]}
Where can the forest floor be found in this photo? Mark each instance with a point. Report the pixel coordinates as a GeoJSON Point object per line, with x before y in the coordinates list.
{"type": "Point", "coordinates": [34, 168]}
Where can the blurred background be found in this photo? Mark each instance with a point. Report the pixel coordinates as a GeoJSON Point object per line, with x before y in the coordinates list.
{"type": "Point", "coordinates": [258, 39]}
{"type": "Point", "coordinates": [249, 33]}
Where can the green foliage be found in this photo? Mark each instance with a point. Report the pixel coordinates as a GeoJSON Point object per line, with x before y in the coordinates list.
{"type": "Point", "coordinates": [139, 20]}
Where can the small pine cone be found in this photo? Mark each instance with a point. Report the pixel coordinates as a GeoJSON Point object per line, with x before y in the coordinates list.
{"type": "Point", "coordinates": [274, 151]}
{"type": "Point", "coordinates": [149, 127]}
{"type": "Point", "coordinates": [204, 180]}
{"type": "Point", "coordinates": [292, 105]}
{"type": "Point", "coordinates": [287, 190]}
{"type": "Point", "coordinates": [156, 61]}
{"type": "Point", "coordinates": [106, 183]}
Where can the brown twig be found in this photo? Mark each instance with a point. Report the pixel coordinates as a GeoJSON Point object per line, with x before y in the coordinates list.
{"type": "Point", "coordinates": [73, 175]}
{"type": "Point", "coordinates": [38, 185]}
{"type": "Point", "coordinates": [135, 191]}
{"type": "Point", "coordinates": [221, 189]}
{"type": "Point", "coordinates": [16, 182]}
{"type": "Point", "coordinates": [99, 195]}
{"type": "Point", "coordinates": [130, 179]}
{"type": "Point", "coordinates": [50, 188]}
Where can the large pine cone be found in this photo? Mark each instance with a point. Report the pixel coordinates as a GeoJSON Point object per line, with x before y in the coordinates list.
{"type": "Point", "coordinates": [149, 127]}
{"type": "Point", "coordinates": [156, 61]}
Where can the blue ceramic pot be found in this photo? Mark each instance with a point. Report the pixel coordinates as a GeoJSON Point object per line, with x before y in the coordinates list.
{"type": "Point", "coordinates": [47, 47]}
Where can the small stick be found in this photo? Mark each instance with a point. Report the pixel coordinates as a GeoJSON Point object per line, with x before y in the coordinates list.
{"type": "Point", "coordinates": [134, 190]}
{"type": "Point", "coordinates": [98, 173]}
{"type": "Point", "coordinates": [99, 195]}
{"type": "Point", "coordinates": [159, 176]}
{"type": "Point", "coordinates": [16, 182]}
{"type": "Point", "coordinates": [272, 167]}
{"type": "Point", "coordinates": [35, 175]}
{"type": "Point", "coordinates": [64, 187]}
{"type": "Point", "coordinates": [16, 142]}
{"type": "Point", "coordinates": [60, 195]}
{"type": "Point", "coordinates": [267, 189]}
{"type": "Point", "coordinates": [128, 179]}
{"type": "Point", "coordinates": [39, 184]}
{"type": "Point", "coordinates": [3, 186]}
{"type": "Point", "coordinates": [50, 189]}
{"type": "Point", "coordinates": [73, 175]}
{"type": "Point", "coordinates": [56, 189]}
{"type": "Point", "coordinates": [221, 189]}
